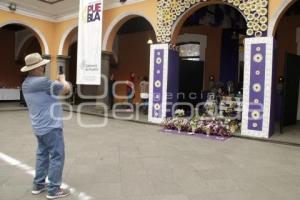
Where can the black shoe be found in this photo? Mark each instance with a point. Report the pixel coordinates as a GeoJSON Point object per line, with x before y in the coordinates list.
{"type": "Point", "coordinates": [59, 194]}
{"type": "Point", "coordinates": [38, 189]}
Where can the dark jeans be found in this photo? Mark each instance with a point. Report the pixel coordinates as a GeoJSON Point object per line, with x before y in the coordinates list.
{"type": "Point", "coordinates": [144, 107]}
{"type": "Point", "coordinates": [130, 96]}
{"type": "Point", "coordinates": [111, 101]}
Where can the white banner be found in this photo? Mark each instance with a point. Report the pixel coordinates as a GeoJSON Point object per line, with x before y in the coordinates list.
{"type": "Point", "coordinates": [89, 42]}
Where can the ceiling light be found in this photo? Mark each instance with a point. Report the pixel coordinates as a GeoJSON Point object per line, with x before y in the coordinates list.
{"type": "Point", "coordinates": [50, 1]}
{"type": "Point", "coordinates": [150, 41]}
{"type": "Point", "coordinates": [12, 6]}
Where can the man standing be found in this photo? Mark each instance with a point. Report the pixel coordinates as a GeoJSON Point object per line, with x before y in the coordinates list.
{"type": "Point", "coordinates": [144, 93]}
{"type": "Point", "coordinates": [130, 89]}
{"type": "Point", "coordinates": [41, 96]}
{"type": "Point", "coordinates": [111, 92]}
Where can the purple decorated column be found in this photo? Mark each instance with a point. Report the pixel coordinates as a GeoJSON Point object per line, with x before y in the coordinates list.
{"type": "Point", "coordinates": [258, 71]}
{"type": "Point", "coordinates": [163, 73]}
{"type": "Point", "coordinates": [158, 82]}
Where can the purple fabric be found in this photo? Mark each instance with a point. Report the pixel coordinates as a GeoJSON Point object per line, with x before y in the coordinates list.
{"type": "Point", "coordinates": [257, 79]}
{"type": "Point", "coordinates": [158, 77]}
{"type": "Point", "coordinates": [229, 59]}
{"type": "Point", "coordinates": [273, 95]}
{"type": "Point", "coordinates": [173, 80]}
{"type": "Point", "coordinates": [211, 137]}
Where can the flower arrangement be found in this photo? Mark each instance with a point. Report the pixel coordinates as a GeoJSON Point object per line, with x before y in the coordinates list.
{"type": "Point", "coordinates": [229, 107]}
{"type": "Point", "coordinates": [176, 123]}
{"type": "Point", "coordinates": [200, 125]}
{"type": "Point", "coordinates": [179, 113]}
{"type": "Point", "coordinates": [210, 108]}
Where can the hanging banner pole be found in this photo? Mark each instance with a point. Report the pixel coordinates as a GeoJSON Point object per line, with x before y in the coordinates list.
{"type": "Point", "coordinates": [89, 42]}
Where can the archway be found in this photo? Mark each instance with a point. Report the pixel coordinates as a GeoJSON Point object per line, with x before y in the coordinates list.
{"type": "Point", "coordinates": [170, 12]}
{"type": "Point", "coordinates": [72, 71]}
{"type": "Point", "coordinates": [39, 35]}
{"type": "Point", "coordinates": [277, 16]}
{"type": "Point", "coordinates": [210, 40]}
{"type": "Point", "coordinates": [68, 56]}
{"type": "Point", "coordinates": [68, 60]}
{"type": "Point", "coordinates": [130, 44]}
{"type": "Point", "coordinates": [30, 45]}
{"type": "Point", "coordinates": [17, 41]}
{"type": "Point", "coordinates": [116, 24]}
{"type": "Point", "coordinates": [65, 39]}
{"type": "Point", "coordinates": [175, 31]}
{"type": "Point", "coordinates": [287, 62]}
{"type": "Point", "coordinates": [68, 48]}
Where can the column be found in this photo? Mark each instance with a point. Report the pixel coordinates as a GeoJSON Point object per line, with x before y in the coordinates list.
{"type": "Point", "coordinates": [257, 120]}
{"type": "Point", "coordinates": [48, 68]}
{"type": "Point", "coordinates": [163, 85]}
{"type": "Point", "coordinates": [298, 53]}
{"type": "Point", "coordinates": [98, 92]}
{"type": "Point", "coordinates": [102, 90]}
{"type": "Point", "coordinates": [298, 40]}
{"type": "Point", "coordinates": [64, 62]}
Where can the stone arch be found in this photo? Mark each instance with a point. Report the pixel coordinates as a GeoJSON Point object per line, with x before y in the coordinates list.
{"type": "Point", "coordinates": [181, 19]}
{"type": "Point", "coordinates": [64, 38]}
{"type": "Point", "coordinates": [169, 11]}
{"type": "Point", "coordinates": [37, 32]}
{"type": "Point", "coordinates": [116, 24]}
{"type": "Point", "coordinates": [22, 51]}
{"type": "Point", "coordinates": [22, 43]}
{"type": "Point", "coordinates": [277, 16]}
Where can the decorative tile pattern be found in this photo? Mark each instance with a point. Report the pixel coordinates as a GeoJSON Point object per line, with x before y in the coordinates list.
{"type": "Point", "coordinates": [257, 87]}
{"type": "Point", "coordinates": [158, 82]}
{"type": "Point", "coordinates": [255, 12]}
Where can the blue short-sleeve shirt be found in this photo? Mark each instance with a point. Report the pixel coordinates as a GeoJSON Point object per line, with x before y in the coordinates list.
{"type": "Point", "coordinates": [45, 110]}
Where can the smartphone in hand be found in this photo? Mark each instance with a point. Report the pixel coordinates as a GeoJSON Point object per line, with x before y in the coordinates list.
{"type": "Point", "coordinates": [61, 71]}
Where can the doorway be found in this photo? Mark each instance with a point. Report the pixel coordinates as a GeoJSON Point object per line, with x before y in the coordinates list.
{"type": "Point", "coordinates": [291, 91]}
{"type": "Point", "coordinates": [191, 71]}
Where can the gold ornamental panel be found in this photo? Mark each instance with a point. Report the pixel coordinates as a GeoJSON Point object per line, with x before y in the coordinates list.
{"type": "Point", "coordinates": [255, 12]}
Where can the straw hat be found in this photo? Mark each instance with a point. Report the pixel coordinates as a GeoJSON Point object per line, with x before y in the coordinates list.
{"type": "Point", "coordinates": [33, 61]}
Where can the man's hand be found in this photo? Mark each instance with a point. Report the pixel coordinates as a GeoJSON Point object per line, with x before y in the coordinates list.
{"type": "Point", "coordinates": [67, 86]}
{"type": "Point", "coordinates": [61, 78]}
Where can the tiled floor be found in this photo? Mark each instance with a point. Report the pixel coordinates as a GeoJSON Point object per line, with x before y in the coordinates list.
{"type": "Point", "coordinates": [131, 161]}
{"type": "Point", "coordinates": [122, 114]}
{"type": "Point", "coordinates": [290, 134]}
{"type": "Point", "coordinates": [11, 105]}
